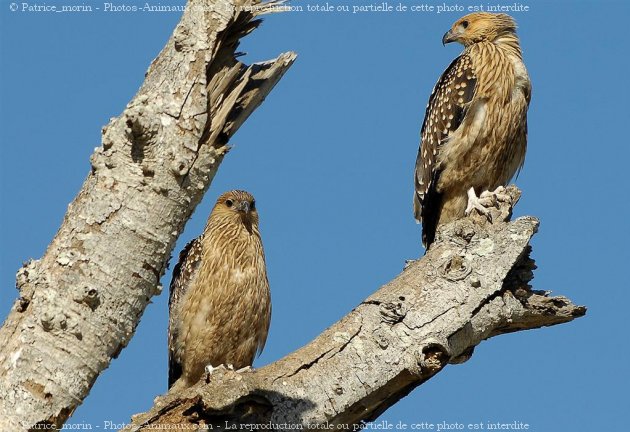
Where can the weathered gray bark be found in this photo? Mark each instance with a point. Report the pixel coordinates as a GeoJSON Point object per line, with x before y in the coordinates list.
{"type": "Point", "coordinates": [471, 285]}
{"type": "Point", "coordinates": [80, 303]}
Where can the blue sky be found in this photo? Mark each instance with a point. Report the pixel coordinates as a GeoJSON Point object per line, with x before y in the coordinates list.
{"type": "Point", "coordinates": [337, 140]}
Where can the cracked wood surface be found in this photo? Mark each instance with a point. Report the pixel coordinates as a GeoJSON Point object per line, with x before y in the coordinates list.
{"type": "Point", "coordinates": [80, 303]}
{"type": "Point", "coordinates": [471, 285]}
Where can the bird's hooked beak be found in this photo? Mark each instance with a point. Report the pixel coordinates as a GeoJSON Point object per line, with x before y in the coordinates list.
{"type": "Point", "coordinates": [449, 36]}
{"type": "Point", "coordinates": [243, 206]}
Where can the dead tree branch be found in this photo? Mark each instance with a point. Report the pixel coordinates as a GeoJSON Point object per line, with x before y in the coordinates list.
{"type": "Point", "coordinates": [471, 285]}
{"type": "Point", "coordinates": [80, 303]}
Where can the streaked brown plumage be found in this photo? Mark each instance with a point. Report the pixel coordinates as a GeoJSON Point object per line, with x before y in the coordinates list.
{"type": "Point", "coordinates": [220, 304]}
{"type": "Point", "coordinates": [474, 133]}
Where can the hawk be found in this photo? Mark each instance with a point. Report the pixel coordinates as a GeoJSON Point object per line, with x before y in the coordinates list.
{"type": "Point", "coordinates": [474, 135]}
{"type": "Point", "coordinates": [219, 304]}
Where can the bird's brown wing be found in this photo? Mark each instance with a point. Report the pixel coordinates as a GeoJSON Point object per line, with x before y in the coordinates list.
{"type": "Point", "coordinates": [445, 112]}
{"type": "Point", "coordinates": [183, 274]}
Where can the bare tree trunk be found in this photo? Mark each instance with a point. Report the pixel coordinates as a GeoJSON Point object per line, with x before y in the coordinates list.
{"type": "Point", "coordinates": [80, 303]}
{"type": "Point", "coordinates": [471, 285]}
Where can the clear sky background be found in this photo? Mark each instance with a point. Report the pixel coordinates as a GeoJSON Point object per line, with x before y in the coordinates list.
{"type": "Point", "coordinates": [329, 156]}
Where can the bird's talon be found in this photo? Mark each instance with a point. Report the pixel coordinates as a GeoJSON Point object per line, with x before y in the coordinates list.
{"type": "Point", "coordinates": [480, 209]}
{"type": "Point", "coordinates": [488, 202]}
{"type": "Point", "coordinates": [501, 197]}
{"type": "Point", "coordinates": [498, 195]}
{"type": "Point", "coordinates": [481, 203]}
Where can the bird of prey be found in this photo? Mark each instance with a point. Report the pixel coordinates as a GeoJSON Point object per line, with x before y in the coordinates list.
{"type": "Point", "coordinates": [219, 304]}
{"type": "Point", "coordinates": [474, 135]}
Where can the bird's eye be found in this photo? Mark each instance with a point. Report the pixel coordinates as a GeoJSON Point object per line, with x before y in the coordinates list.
{"type": "Point", "coordinates": [465, 24]}
{"type": "Point", "coordinates": [252, 206]}
{"type": "Point", "coordinates": [229, 202]}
